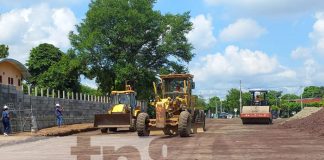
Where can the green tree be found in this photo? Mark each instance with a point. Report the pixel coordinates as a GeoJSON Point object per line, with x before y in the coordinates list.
{"type": "Point", "coordinates": [232, 99]}
{"type": "Point", "coordinates": [289, 97]}
{"type": "Point", "coordinates": [213, 102]}
{"type": "Point", "coordinates": [128, 40]}
{"type": "Point", "coordinates": [313, 92]}
{"type": "Point", "coordinates": [273, 97]}
{"type": "Point", "coordinates": [41, 58]}
{"type": "Point", "coordinates": [91, 91]}
{"type": "Point", "coordinates": [201, 103]}
{"type": "Point", "coordinates": [51, 68]}
{"type": "Point", "coordinates": [4, 51]}
{"type": "Point", "coordinates": [246, 98]}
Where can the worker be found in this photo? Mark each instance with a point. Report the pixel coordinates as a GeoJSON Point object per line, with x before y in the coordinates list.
{"type": "Point", "coordinates": [177, 88]}
{"type": "Point", "coordinates": [6, 120]}
{"type": "Point", "coordinates": [59, 115]}
{"type": "Point", "coordinates": [258, 100]}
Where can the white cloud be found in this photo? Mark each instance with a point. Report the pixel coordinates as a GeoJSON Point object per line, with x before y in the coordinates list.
{"type": "Point", "coordinates": [317, 35]}
{"type": "Point", "coordinates": [242, 29]}
{"type": "Point", "coordinates": [236, 62]}
{"type": "Point", "coordinates": [23, 29]}
{"type": "Point", "coordinates": [269, 8]}
{"type": "Point", "coordinates": [301, 53]}
{"type": "Point", "coordinates": [221, 71]}
{"type": "Point", "coordinates": [202, 34]}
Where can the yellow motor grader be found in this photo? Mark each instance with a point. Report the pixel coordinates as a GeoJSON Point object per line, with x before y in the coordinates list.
{"type": "Point", "coordinates": [122, 114]}
{"type": "Point", "coordinates": [174, 110]}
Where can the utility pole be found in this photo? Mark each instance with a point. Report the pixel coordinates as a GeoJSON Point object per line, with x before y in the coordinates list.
{"type": "Point", "coordinates": [301, 98]}
{"type": "Point", "coordinates": [240, 96]}
{"type": "Point", "coordinates": [216, 112]}
{"type": "Point", "coordinates": [221, 106]}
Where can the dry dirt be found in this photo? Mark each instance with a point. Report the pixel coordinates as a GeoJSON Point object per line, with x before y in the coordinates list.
{"type": "Point", "coordinates": [224, 139]}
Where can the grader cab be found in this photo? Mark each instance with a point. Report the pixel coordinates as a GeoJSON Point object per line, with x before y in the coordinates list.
{"type": "Point", "coordinates": [174, 110]}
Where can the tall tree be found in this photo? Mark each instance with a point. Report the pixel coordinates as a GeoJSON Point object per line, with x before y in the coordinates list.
{"type": "Point", "coordinates": [54, 69]}
{"type": "Point", "coordinates": [41, 58]}
{"type": "Point", "coordinates": [128, 40]}
{"type": "Point", "coordinates": [213, 102]}
{"type": "Point", "coordinates": [4, 51]}
{"type": "Point", "coordinates": [273, 97]}
{"type": "Point", "coordinates": [232, 100]}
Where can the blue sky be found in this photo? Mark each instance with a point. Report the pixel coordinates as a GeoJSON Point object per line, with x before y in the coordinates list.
{"type": "Point", "coordinates": [276, 44]}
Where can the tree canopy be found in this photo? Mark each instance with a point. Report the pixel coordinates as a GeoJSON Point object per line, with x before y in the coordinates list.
{"type": "Point", "coordinates": [128, 40]}
{"type": "Point", "coordinates": [54, 69]}
{"type": "Point", "coordinates": [4, 51]}
{"type": "Point", "coordinates": [313, 92]}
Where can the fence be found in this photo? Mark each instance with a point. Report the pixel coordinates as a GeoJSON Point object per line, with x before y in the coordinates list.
{"type": "Point", "coordinates": [40, 104]}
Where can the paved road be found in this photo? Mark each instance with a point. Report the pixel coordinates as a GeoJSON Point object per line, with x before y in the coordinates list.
{"type": "Point", "coordinates": [224, 139]}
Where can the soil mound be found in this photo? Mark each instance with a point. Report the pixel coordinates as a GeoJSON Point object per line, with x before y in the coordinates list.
{"type": "Point", "coordinates": [313, 124]}
{"type": "Point", "coordinates": [66, 130]}
{"type": "Point", "coordinates": [307, 111]}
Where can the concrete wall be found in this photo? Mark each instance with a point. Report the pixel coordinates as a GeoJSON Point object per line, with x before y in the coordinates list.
{"type": "Point", "coordinates": [23, 107]}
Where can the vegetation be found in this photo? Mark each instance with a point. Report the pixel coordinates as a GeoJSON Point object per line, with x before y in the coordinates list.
{"type": "Point", "coordinates": [51, 68]}
{"type": "Point", "coordinates": [128, 40]}
{"type": "Point", "coordinates": [4, 51]}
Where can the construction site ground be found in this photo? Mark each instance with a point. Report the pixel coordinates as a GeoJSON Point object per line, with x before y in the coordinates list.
{"type": "Point", "coordinates": [224, 139]}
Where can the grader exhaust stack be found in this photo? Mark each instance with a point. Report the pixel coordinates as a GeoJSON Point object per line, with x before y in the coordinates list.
{"type": "Point", "coordinates": [259, 112]}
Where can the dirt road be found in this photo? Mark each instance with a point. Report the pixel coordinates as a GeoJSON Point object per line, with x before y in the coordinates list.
{"type": "Point", "coordinates": [224, 139]}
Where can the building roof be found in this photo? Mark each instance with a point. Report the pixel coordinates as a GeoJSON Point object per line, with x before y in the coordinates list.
{"type": "Point", "coordinates": [18, 65]}
{"type": "Point", "coordinates": [308, 100]}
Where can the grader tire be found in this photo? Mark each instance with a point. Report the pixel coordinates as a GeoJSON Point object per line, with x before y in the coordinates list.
{"type": "Point", "coordinates": [203, 119]}
{"type": "Point", "coordinates": [104, 130]}
{"type": "Point", "coordinates": [112, 129]}
{"type": "Point", "coordinates": [142, 124]}
{"type": "Point", "coordinates": [132, 127]}
{"type": "Point", "coordinates": [184, 128]}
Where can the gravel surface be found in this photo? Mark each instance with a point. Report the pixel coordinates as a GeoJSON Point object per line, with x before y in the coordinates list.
{"type": "Point", "coordinates": [313, 124]}
{"type": "Point", "coordinates": [307, 111]}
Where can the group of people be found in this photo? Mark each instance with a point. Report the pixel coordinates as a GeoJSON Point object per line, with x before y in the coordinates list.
{"type": "Point", "coordinates": [5, 118]}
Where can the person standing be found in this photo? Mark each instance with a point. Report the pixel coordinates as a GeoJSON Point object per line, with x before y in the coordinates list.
{"type": "Point", "coordinates": [6, 120]}
{"type": "Point", "coordinates": [59, 115]}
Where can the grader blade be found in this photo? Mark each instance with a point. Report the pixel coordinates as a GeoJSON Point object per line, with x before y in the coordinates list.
{"type": "Point", "coordinates": [160, 115]}
{"type": "Point", "coordinates": [112, 120]}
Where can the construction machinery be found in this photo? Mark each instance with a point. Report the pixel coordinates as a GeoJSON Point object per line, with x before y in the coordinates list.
{"type": "Point", "coordinates": [122, 113]}
{"type": "Point", "coordinates": [259, 112]}
{"type": "Point", "coordinates": [175, 112]}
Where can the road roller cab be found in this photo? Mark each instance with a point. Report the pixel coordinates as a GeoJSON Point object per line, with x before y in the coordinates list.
{"type": "Point", "coordinates": [259, 112]}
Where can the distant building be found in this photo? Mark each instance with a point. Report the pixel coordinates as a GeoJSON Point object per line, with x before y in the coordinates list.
{"type": "Point", "coordinates": [12, 72]}
{"type": "Point", "coordinates": [308, 100]}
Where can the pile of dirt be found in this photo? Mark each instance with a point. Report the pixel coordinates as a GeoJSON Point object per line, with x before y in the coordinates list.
{"type": "Point", "coordinates": [313, 124]}
{"type": "Point", "coordinates": [307, 111]}
{"type": "Point", "coordinates": [65, 130]}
